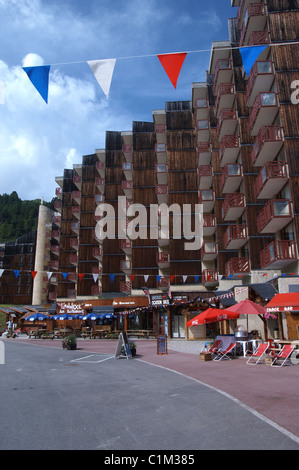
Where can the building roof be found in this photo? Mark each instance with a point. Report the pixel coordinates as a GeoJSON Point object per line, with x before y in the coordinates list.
{"type": "Point", "coordinates": [265, 290]}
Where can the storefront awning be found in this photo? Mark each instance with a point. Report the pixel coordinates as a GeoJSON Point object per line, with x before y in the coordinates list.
{"type": "Point", "coordinates": [284, 303]}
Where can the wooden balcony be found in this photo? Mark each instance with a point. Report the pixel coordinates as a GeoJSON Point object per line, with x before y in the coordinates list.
{"type": "Point", "coordinates": [128, 170]}
{"type": "Point", "coordinates": [76, 196]}
{"type": "Point", "coordinates": [97, 253]}
{"type": "Point", "coordinates": [259, 38]}
{"type": "Point", "coordinates": [225, 96]}
{"type": "Point", "coordinates": [73, 259]}
{"type": "Point", "coordinates": [76, 211]}
{"type": "Point", "coordinates": [163, 283]}
{"type": "Point", "coordinates": [54, 265]}
{"type": "Point", "coordinates": [161, 173]}
{"type": "Point", "coordinates": [263, 113]}
{"type": "Point", "coordinates": [126, 266]}
{"type": "Point", "coordinates": [125, 287]}
{"type": "Point", "coordinates": [101, 168]}
{"type": "Point", "coordinates": [58, 206]}
{"type": "Point", "coordinates": [278, 254]}
{"type": "Point", "coordinates": [75, 227]}
{"type": "Point", "coordinates": [57, 219]}
{"type": "Point", "coordinates": [233, 206]}
{"type": "Point", "coordinates": [204, 153]}
{"type": "Point", "coordinates": [209, 251]}
{"type": "Point", "coordinates": [209, 225]}
{"type": "Point", "coordinates": [223, 73]}
{"type": "Point", "coordinates": [235, 267]}
{"type": "Point", "coordinates": [127, 187]}
{"type": "Point", "coordinates": [58, 192]}
{"type": "Point", "coordinates": [206, 197]}
{"type": "Point", "coordinates": [271, 179]}
{"type": "Point", "coordinates": [77, 180]}
{"type": "Point", "coordinates": [126, 246]}
{"type": "Point", "coordinates": [203, 130]}
{"type": "Point", "coordinates": [229, 149]}
{"type": "Point", "coordinates": [254, 20]}
{"type": "Point", "coordinates": [202, 108]}
{"type": "Point", "coordinates": [260, 80]}
{"type": "Point", "coordinates": [227, 123]}
{"type": "Point", "coordinates": [100, 184]}
{"type": "Point", "coordinates": [59, 180]}
{"type": "Point", "coordinates": [162, 193]}
{"type": "Point", "coordinates": [231, 178]}
{"type": "Point", "coordinates": [276, 215]}
{"type": "Point", "coordinates": [161, 153]}
{"type": "Point", "coordinates": [128, 152]}
{"type": "Point", "coordinates": [205, 176]}
{"type": "Point", "coordinates": [235, 237]}
{"type": "Point", "coordinates": [163, 259]}
{"type": "Point", "coordinates": [210, 278]}
{"type": "Point", "coordinates": [267, 145]}
{"type": "Point", "coordinates": [74, 243]}
{"type": "Point", "coordinates": [55, 250]}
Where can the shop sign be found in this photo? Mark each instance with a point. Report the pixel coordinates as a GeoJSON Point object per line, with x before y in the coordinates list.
{"type": "Point", "coordinates": [70, 308]}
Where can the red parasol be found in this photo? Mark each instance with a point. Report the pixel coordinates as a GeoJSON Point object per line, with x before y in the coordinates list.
{"type": "Point", "coordinates": [212, 315]}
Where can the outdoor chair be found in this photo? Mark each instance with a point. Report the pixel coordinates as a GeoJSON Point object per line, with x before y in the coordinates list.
{"type": "Point", "coordinates": [214, 349]}
{"type": "Point", "coordinates": [223, 354]}
{"type": "Point", "coordinates": [258, 356]}
{"type": "Point", "coordinates": [284, 356]}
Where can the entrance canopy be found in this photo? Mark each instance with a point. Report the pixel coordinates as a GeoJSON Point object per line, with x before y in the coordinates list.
{"type": "Point", "coordinates": [212, 315]}
{"type": "Point", "coordinates": [284, 302]}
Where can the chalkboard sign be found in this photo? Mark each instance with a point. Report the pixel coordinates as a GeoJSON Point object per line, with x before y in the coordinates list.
{"type": "Point", "coordinates": [123, 341]}
{"type": "Point", "coordinates": [161, 345]}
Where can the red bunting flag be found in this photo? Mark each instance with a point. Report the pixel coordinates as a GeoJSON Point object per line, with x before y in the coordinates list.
{"type": "Point", "coordinates": [172, 64]}
{"type": "Point", "coordinates": [33, 273]}
{"type": "Point", "coordinates": [132, 277]}
{"type": "Point", "coordinates": [80, 276]}
{"type": "Point", "coordinates": [172, 277]}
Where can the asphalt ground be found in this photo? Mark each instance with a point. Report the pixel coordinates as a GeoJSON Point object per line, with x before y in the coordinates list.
{"type": "Point", "coordinates": [54, 399]}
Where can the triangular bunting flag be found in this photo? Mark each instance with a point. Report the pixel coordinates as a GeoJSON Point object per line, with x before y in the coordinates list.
{"type": "Point", "coordinates": [64, 275]}
{"type": "Point", "coordinates": [146, 276]}
{"type": "Point", "coordinates": [80, 276]}
{"type": "Point", "coordinates": [159, 278]}
{"type": "Point", "coordinates": [220, 277]}
{"type": "Point", "coordinates": [1, 272]}
{"type": "Point", "coordinates": [112, 276]}
{"type": "Point", "coordinates": [184, 279]}
{"type": "Point", "coordinates": [172, 64]}
{"type": "Point", "coordinates": [39, 77]}
{"type": "Point", "coordinates": [132, 277]}
{"type": "Point", "coordinates": [172, 278]}
{"type": "Point", "coordinates": [95, 277]}
{"type": "Point", "coordinates": [196, 278]}
{"type": "Point", "coordinates": [33, 273]}
{"type": "Point", "coordinates": [250, 55]}
{"type": "Point", "coordinates": [49, 274]}
{"type": "Point", "coordinates": [16, 272]}
{"type": "Point", "coordinates": [103, 72]}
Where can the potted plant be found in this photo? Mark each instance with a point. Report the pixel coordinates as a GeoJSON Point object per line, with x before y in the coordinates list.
{"type": "Point", "coordinates": [132, 348]}
{"type": "Point", "coordinates": [69, 342]}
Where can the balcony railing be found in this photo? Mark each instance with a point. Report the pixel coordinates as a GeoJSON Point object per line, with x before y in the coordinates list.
{"type": "Point", "coordinates": [160, 128]}
{"type": "Point", "coordinates": [209, 251]}
{"type": "Point", "coordinates": [73, 259]}
{"type": "Point", "coordinates": [229, 149]}
{"type": "Point", "coordinates": [233, 206]}
{"type": "Point", "coordinates": [260, 77]}
{"type": "Point", "coordinates": [271, 179]}
{"type": "Point", "coordinates": [97, 253]}
{"type": "Point", "coordinates": [162, 258]}
{"type": "Point", "coordinates": [231, 177]}
{"type": "Point", "coordinates": [125, 265]}
{"type": "Point", "coordinates": [258, 38]}
{"type": "Point", "coordinates": [263, 112]}
{"type": "Point", "coordinates": [223, 68]}
{"type": "Point", "coordinates": [267, 145]}
{"type": "Point", "coordinates": [274, 216]}
{"type": "Point", "coordinates": [235, 237]}
{"type": "Point", "coordinates": [206, 197]}
{"type": "Point", "coordinates": [278, 254]}
{"type": "Point", "coordinates": [204, 176]}
{"type": "Point", "coordinates": [227, 122]}
{"type": "Point", "coordinates": [253, 19]}
{"type": "Point", "coordinates": [76, 211]}
{"type": "Point", "coordinates": [204, 153]}
{"type": "Point", "coordinates": [209, 224]}
{"type": "Point", "coordinates": [125, 287]}
{"type": "Point", "coordinates": [210, 277]}
{"type": "Point", "coordinates": [237, 266]}
{"type": "Point", "coordinates": [225, 91]}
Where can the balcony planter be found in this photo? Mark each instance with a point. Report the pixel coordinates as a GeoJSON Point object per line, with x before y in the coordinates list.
{"type": "Point", "coordinates": [70, 342]}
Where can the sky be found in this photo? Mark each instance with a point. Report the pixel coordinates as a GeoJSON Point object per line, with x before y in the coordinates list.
{"type": "Point", "coordinates": [38, 140]}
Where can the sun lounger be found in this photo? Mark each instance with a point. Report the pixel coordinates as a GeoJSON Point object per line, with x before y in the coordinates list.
{"type": "Point", "coordinates": [284, 356]}
{"type": "Point", "coordinates": [258, 356]}
{"type": "Point", "coordinates": [223, 354]}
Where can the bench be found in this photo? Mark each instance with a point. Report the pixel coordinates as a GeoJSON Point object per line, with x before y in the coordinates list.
{"type": "Point", "coordinates": [140, 333]}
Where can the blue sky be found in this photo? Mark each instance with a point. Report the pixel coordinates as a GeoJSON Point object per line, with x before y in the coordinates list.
{"type": "Point", "coordinates": [37, 141]}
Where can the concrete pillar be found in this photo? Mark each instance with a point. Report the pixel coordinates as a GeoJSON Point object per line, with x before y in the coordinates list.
{"type": "Point", "coordinates": [44, 219]}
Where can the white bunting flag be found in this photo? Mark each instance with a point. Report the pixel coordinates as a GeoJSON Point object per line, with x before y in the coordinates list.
{"type": "Point", "coordinates": [184, 279]}
{"type": "Point", "coordinates": [146, 276]}
{"type": "Point", "coordinates": [95, 277]}
{"type": "Point", "coordinates": [1, 272]}
{"type": "Point", "coordinates": [103, 72]}
{"type": "Point", "coordinates": [49, 274]}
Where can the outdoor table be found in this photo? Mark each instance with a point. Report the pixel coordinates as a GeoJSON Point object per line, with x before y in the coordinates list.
{"type": "Point", "coordinates": [244, 345]}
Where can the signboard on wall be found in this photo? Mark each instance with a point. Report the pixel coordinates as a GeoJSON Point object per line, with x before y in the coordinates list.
{"type": "Point", "coordinates": [70, 307]}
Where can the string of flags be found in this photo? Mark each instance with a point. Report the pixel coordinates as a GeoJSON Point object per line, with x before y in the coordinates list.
{"type": "Point", "coordinates": [132, 276]}
{"type": "Point", "coordinates": [103, 69]}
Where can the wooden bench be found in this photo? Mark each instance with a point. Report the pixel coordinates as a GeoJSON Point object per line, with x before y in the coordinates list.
{"type": "Point", "coordinates": [140, 333]}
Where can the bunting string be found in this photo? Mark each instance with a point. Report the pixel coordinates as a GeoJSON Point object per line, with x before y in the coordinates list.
{"type": "Point", "coordinates": [172, 63]}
